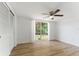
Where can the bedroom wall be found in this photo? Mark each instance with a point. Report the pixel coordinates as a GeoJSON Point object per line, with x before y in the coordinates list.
{"type": "Point", "coordinates": [69, 24]}
{"type": "Point", "coordinates": [52, 30]}
{"type": "Point", "coordinates": [24, 29]}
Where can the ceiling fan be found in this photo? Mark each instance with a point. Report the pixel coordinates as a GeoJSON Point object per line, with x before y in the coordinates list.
{"type": "Point", "coordinates": [51, 14]}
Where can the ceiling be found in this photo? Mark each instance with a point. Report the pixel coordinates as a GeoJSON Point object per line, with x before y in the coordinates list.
{"type": "Point", "coordinates": [33, 9]}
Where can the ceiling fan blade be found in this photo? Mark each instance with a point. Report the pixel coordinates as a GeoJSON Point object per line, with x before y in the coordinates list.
{"type": "Point", "coordinates": [51, 12]}
{"type": "Point", "coordinates": [58, 15]}
{"type": "Point", "coordinates": [56, 11]}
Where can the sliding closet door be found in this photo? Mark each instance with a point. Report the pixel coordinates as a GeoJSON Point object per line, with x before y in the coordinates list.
{"type": "Point", "coordinates": [5, 31]}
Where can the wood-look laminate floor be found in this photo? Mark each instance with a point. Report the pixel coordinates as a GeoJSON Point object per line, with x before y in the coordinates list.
{"type": "Point", "coordinates": [45, 48]}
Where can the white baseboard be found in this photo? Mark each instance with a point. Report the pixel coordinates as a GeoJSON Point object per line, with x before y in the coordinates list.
{"type": "Point", "coordinates": [65, 41]}
{"type": "Point", "coordinates": [24, 42]}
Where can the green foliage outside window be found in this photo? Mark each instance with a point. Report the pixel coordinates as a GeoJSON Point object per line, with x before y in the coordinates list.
{"type": "Point", "coordinates": [41, 28]}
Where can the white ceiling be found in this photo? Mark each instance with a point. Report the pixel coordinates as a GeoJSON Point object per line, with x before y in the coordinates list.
{"type": "Point", "coordinates": [33, 9]}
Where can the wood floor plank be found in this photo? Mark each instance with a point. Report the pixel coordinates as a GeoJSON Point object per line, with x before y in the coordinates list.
{"type": "Point", "coordinates": [45, 48]}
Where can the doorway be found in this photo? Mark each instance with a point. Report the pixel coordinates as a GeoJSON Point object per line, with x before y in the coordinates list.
{"type": "Point", "coordinates": [41, 30]}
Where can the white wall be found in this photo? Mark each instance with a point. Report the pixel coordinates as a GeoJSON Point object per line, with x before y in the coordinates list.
{"type": "Point", "coordinates": [24, 30]}
{"type": "Point", "coordinates": [52, 30]}
{"type": "Point", "coordinates": [6, 40]}
{"type": "Point", "coordinates": [69, 24]}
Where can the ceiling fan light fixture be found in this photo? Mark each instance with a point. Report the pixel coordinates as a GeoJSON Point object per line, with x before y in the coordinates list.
{"type": "Point", "coordinates": [51, 17]}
